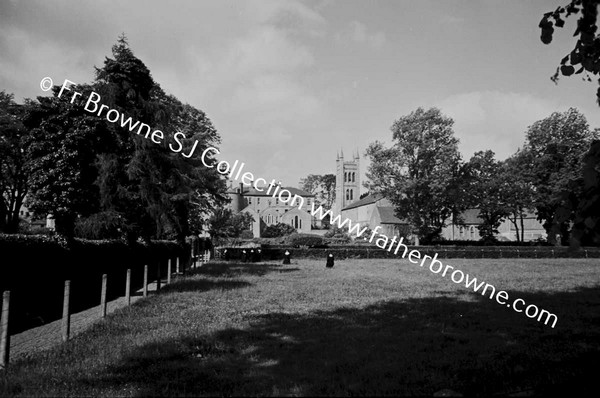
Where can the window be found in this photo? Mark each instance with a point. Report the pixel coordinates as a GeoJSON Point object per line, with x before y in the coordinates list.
{"type": "Point", "coordinates": [308, 202]}
{"type": "Point", "coordinates": [472, 232]}
{"type": "Point", "coordinates": [300, 223]}
{"type": "Point", "coordinates": [249, 201]}
{"type": "Point", "coordinates": [276, 201]}
{"type": "Point", "coordinates": [345, 177]}
{"type": "Point", "coordinates": [296, 222]}
{"type": "Point", "coordinates": [269, 202]}
{"type": "Point", "coordinates": [352, 194]}
{"type": "Point", "coordinates": [257, 201]}
{"type": "Point", "coordinates": [353, 175]}
{"type": "Point", "coordinates": [461, 231]}
{"type": "Point", "coordinates": [347, 194]}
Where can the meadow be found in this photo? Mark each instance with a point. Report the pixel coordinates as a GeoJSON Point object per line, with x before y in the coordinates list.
{"type": "Point", "coordinates": [364, 327]}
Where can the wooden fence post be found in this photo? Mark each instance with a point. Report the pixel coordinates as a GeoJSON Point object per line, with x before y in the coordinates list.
{"type": "Point", "coordinates": [158, 277]}
{"type": "Point", "coordinates": [128, 287]}
{"type": "Point", "coordinates": [4, 336]}
{"type": "Point", "coordinates": [145, 280]}
{"type": "Point", "coordinates": [103, 296]}
{"type": "Point", "coordinates": [169, 272]}
{"type": "Point", "coordinates": [66, 316]}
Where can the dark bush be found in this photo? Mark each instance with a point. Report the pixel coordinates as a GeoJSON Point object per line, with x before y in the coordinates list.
{"type": "Point", "coordinates": [277, 230]}
{"type": "Point", "coordinates": [103, 225]}
{"type": "Point", "coordinates": [297, 240]}
{"type": "Point", "coordinates": [246, 234]}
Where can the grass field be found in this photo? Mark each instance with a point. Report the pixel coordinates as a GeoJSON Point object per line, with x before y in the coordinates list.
{"type": "Point", "coordinates": [364, 327]}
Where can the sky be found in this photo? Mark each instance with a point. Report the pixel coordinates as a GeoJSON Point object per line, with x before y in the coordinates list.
{"type": "Point", "coordinates": [289, 84]}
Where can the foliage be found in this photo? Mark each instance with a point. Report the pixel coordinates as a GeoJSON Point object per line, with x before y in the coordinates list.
{"type": "Point", "coordinates": [278, 230]}
{"type": "Point", "coordinates": [338, 233]}
{"type": "Point", "coordinates": [102, 225]}
{"type": "Point", "coordinates": [158, 188]}
{"type": "Point", "coordinates": [485, 193]}
{"type": "Point", "coordinates": [224, 224]}
{"type": "Point", "coordinates": [82, 164]}
{"type": "Point", "coordinates": [308, 240]}
{"type": "Point", "coordinates": [553, 151]}
{"type": "Point", "coordinates": [322, 186]}
{"type": "Point", "coordinates": [421, 173]}
{"type": "Point", "coordinates": [581, 201]}
{"type": "Point", "coordinates": [14, 162]}
{"type": "Point", "coordinates": [517, 190]}
{"type": "Point", "coordinates": [64, 141]}
{"type": "Point", "coordinates": [586, 54]}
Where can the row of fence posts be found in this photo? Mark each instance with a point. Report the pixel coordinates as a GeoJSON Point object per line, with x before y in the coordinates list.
{"type": "Point", "coordinates": [66, 314]}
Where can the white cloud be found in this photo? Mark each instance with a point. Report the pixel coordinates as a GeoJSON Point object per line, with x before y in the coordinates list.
{"type": "Point", "coordinates": [357, 32]}
{"type": "Point", "coordinates": [494, 120]}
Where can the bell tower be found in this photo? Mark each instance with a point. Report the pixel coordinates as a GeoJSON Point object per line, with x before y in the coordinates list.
{"type": "Point", "coordinates": [347, 181]}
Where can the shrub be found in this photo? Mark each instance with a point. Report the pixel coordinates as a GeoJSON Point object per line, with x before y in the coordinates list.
{"type": "Point", "coordinates": [305, 240]}
{"type": "Point", "coordinates": [247, 234]}
{"type": "Point", "coordinates": [337, 232]}
{"type": "Point", "coordinates": [103, 225]}
{"type": "Point", "coordinates": [277, 230]}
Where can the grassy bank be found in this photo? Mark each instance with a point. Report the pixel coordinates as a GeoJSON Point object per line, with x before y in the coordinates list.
{"type": "Point", "coordinates": [364, 327]}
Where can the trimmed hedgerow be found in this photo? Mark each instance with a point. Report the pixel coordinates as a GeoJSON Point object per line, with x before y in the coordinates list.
{"type": "Point", "coordinates": [34, 268]}
{"type": "Point", "coordinates": [308, 240]}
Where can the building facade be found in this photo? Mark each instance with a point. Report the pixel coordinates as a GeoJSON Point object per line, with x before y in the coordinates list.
{"type": "Point", "coordinates": [268, 210]}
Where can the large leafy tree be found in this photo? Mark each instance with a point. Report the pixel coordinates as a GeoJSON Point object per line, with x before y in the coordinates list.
{"type": "Point", "coordinates": [585, 56]}
{"type": "Point", "coordinates": [63, 143]}
{"type": "Point", "coordinates": [517, 190]}
{"type": "Point", "coordinates": [164, 191]}
{"type": "Point", "coordinates": [581, 201]}
{"type": "Point", "coordinates": [148, 188]}
{"type": "Point", "coordinates": [14, 164]}
{"type": "Point", "coordinates": [420, 173]}
{"type": "Point", "coordinates": [555, 147]}
{"type": "Point", "coordinates": [224, 224]}
{"type": "Point", "coordinates": [581, 193]}
{"type": "Point", "coordinates": [486, 193]}
{"type": "Point", "coordinates": [322, 186]}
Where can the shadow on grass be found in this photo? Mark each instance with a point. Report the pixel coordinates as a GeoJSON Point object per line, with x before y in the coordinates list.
{"type": "Point", "coordinates": [412, 347]}
{"type": "Point", "coordinates": [235, 269]}
{"type": "Point", "coordinates": [202, 285]}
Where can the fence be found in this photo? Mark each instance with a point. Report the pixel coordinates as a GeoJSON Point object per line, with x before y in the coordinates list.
{"type": "Point", "coordinates": [63, 329]}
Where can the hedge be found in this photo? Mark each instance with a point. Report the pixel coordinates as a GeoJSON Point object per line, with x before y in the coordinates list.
{"type": "Point", "coordinates": [34, 268]}
{"type": "Point", "coordinates": [275, 252]}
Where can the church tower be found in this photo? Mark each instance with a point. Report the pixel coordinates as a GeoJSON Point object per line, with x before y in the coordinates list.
{"type": "Point", "coordinates": [347, 181]}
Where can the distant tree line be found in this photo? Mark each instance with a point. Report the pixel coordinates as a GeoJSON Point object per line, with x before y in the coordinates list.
{"type": "Point", "coordinates": [554, 174]}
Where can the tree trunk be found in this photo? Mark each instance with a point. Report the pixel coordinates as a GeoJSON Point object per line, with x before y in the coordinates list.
{"type": "Point", "coordinates": [522, 227]}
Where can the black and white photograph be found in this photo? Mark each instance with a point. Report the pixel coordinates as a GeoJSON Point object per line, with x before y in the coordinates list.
{"type": "Point", "coordinates": [299, 198]}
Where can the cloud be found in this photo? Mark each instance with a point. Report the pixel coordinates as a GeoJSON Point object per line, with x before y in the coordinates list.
{"type": "Point", "coordinates": [357, 32]}
{"type": "Point", "coordinates": [494, 120]}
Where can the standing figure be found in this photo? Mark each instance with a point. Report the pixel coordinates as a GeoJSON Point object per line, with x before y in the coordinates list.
{"type": "Point", "coordinates": [330, 261]}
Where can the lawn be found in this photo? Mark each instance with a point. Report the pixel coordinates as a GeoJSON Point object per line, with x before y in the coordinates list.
{"type": "Point", "coordinates": [365, 327]}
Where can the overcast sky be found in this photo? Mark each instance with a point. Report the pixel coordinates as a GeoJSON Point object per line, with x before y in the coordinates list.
{"type": "Point", "coordinates": [289, 83]}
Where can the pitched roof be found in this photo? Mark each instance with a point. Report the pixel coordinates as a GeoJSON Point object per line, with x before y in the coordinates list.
{"type": "Point", "coordinates": [367, 200]}
{"type": "Point", "coordinates": [388, 216]}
